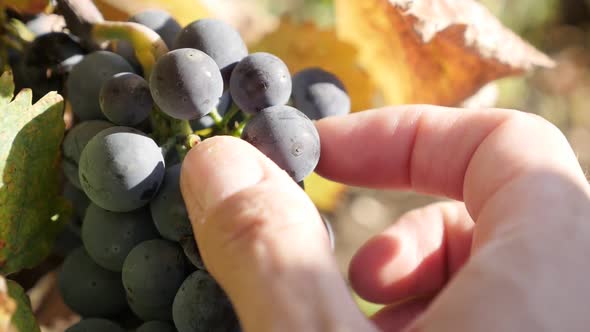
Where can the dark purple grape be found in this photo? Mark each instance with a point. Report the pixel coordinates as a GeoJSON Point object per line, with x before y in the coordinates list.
{"type": "Point", "coordinates": [259, 81]}
{"type": "Point", "coordinates": [168, 208]}
{"type": "Point", "coordinates": [88, 289]}
{"type": "Point", "coordinates": [161, 22]}
{"type": "Point", "coordinates": [125, 99]}
{"type": "Point", "coordinates": [319, 94]}
{"type": "Point", "coordinates": [75, 142]}
{"type": "Point", "coordinates": [153, 272]}
{"type": "Point", "coordinates": [218, 39]}
{"type": "Point", "coordinates": [287, 137]}
{"type": "Point", "coordinates": [109, 236]}
{"type": "Point", "coordinates": [86, 79]}
{"type": "Point", "coordinates": [121, 169]}
{"type": "Point", "coordinates": [186, 84]}
{"type": "Point", "coordinates": [201, 305]}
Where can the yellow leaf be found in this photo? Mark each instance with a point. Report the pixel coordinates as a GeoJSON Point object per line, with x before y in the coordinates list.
{"type": "Point", "coordinates": [302, 45]}
{"type": "Point", "coordinates": [184, 11]}
{"type": "Point", "coordinates": [432, 51]}
{"type": "Point", "coordinates": [324, 193]}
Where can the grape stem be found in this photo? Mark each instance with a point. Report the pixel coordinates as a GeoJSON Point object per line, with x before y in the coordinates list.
{"type": "Point", "coordinates": [240, 128]}
{"type": "Point", "coordinates": [148, 45]}
{"type": "Point", "coordinates": [233, 111]}
{"type": "Point", "coordinates": [192, 140]}
{"type": "Point", "coordinates": [217, 119]}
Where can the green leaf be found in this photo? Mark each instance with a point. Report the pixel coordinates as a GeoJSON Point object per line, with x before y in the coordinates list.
{"type": "Point", "coordinates": [31, 211]}
{"type": "Point", "coordinates": [23, 319]}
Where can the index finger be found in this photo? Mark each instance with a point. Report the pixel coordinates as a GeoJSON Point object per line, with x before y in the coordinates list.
{"type": "Point", "coordinates": [430, 149]}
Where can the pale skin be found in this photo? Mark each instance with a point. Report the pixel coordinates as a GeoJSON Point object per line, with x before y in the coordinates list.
{"type": "Point", "coordinates": [509, 253]}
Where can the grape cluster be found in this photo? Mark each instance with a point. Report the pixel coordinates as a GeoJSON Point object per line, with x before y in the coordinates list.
{"type": "Point", "coordinates": [135, 250]}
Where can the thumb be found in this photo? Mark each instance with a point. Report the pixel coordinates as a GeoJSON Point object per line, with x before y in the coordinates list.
{"type": "Point", "coordinates": [263, 240]}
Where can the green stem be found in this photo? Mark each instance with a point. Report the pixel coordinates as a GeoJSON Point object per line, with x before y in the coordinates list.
{"type": "Point", "coordinates": [192, 140]}
{"type": "Point", "coordinates": [233, 111]}
{"type": "Point", "coordinates": [217, 118]}
{"type": "Point", "coordinates": [147, 44]}
{"type": "Point", "coordinates": [240, 128]}
{"type": "Point", "coordinates": [180, 127]}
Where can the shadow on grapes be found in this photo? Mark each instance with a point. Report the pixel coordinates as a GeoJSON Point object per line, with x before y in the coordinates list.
{"type": "Point", "coordinates": [148, 187]}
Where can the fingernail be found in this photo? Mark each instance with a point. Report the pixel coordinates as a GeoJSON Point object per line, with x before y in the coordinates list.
{"type": "Point", "coordinates": [216, 169]}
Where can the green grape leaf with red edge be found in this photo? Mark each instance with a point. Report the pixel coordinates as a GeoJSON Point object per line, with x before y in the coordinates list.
{"type": "Point", "coordinates": [31, 211]}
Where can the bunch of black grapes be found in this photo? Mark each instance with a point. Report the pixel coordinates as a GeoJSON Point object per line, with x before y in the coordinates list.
{"type": "Point", "coordinates": [136, 260]}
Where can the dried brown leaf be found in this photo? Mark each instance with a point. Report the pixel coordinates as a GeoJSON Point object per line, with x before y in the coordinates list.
{"type": "Point", "coordinates": [433, 51]}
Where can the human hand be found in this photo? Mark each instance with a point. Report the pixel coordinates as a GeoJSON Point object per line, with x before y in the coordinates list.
{"type": "Point", "coordinates": [521, 266]}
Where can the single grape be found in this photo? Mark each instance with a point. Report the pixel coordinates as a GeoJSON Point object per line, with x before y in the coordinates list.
{"type": "Point", "coordinates": [201, 305]}
{"type": "Point", "coordinates": [86, 79]}
{"type": "Point", "coordinates": [191, 252]}
{"type": "Point", "coordinates": [186, 84]}
{"type": "Point", "coordinates": [156, 326]}
{"type": "Point", "coordinates": [109, 236]}
{"type": "Point", "coordinates": [73, 144]}
{"type": "Point", "coordinates": [287, 137]}
{"type": "Point", "coordinates": [153, 272]}
{"type": "Point", "coordinates": [319, 94]}
{"type": "Point", "coordinates": [125, 99]}
{"type": "Point", "coordinates": [218, 39]}
{"type": "Point", "coordinates": [95, 325]}
{"type": "Point", "coordinates": [168, 209]}
{"type": "Point", "coordinates": [88, 289]}
{"type": "Point", "coordinates": [206, 121]}
{"type": "Point", "coordinates": [121, 169]}
{"type": "Point", "coordinates": [148, 312]}
{"type": "Point", "coordinates": [161, 22]}
{"type": "Point", "coordinates": [259, 81]}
